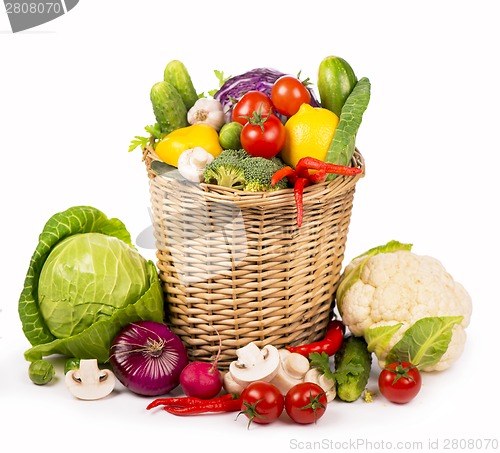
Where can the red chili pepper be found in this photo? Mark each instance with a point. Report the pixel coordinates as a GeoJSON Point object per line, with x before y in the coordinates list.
{"type": "Point", "coordinates": [311, 163]}
{"type": "Point", "coordinates": [186, 401]}
{"type": "Point", "coordinates": [205, 406]}
{"type": "Point", "coordinates": [284, 172]}
{"type": "Point", "coordinates": [301, 177]}
{"type": "Point", "coordinates": [319, 176]}
{"type": "Point", "coordinates": [330, 344]}
{"type": "Point", "coordinates": [298, 192]}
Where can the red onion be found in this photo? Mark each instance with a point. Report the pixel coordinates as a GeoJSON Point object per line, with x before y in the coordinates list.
{"type": "Point", "coordinates": [147, 358]}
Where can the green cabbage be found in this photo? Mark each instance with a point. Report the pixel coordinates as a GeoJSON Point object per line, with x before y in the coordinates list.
{"type": "Point", "coordinates": [85, 282]}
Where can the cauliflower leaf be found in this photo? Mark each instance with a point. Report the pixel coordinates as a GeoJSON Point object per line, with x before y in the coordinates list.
{"type": "Point", "coordinates": [378, 338]}
{"type": "Point", "coordinates": [425, 342]}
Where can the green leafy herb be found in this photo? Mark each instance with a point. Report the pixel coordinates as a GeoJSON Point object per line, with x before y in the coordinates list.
{"type": "Point", "coordinates": [221, 79]}
{"type": "Point", "coordinates": [345, 373]}
{"type": "Point", "coordinates": [155, 134]}
{"type": "Point", "coordinates": [322, 363]}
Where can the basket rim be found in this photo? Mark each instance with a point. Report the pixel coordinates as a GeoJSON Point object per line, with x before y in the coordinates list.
{"type": "Point", "coordinates": [357, 160]}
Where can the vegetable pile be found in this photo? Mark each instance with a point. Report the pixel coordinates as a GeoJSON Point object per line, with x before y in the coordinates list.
{"type": "Point", "coordinates": [91, 297]}
{"type": "Point", "coordinates": [256, 124]}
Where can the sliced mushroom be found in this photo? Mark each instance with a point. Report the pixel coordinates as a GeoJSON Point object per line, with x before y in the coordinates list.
{"type": "Point", "coordinates": [230, 385]}
{"type": "Point", "coordinates": [293, 368]}
{"type": "Point", "coordinates": [89, 382]}
{"type": "Point", "coordinates": [328, 385]}
{"type": "Point", "coordinates": [254, 364]}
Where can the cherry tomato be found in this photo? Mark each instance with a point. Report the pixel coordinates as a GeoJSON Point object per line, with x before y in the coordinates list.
{"type": "Point", "coordinates": [251, 101]}
{"type": "Point", "coordinates": [288, 94]}
{"type": "Point", "coordinates": [305, 402]}
{"type": "Point", "coordinates": [400, 382]}
{"type": "Point", "coordinates": [263, 137]}
{"type": "Point", "coordinates": [262, 402]}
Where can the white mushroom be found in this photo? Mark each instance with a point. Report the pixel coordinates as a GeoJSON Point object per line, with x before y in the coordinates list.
{"type": "Point", "coordinates": [89, 382]}
{"type": "Point", "coordinates": [230, 385]}
{"type": "Point", "coordinates": [254, 364]}
{"type": "Point", "coordinates": [192, 163]}
{"type": "Point", "coordinates": [328, 385]}
{"type": "Point", "coordinates": [293, 368]}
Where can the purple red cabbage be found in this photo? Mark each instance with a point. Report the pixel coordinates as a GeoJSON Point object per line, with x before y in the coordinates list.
{"type": "Point", "coordinates": [260, 79]}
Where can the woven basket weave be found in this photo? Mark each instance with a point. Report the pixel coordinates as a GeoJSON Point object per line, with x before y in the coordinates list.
{"type": "Point", "coordinates": [236, 268]}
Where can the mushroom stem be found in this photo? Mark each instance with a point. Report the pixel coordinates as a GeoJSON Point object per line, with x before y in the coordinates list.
{"type": "Point", "coordinates": [89, 382]}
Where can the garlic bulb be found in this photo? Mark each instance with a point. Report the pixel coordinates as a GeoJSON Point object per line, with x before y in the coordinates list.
{"type": "Point", "coordinates": [207, 111]}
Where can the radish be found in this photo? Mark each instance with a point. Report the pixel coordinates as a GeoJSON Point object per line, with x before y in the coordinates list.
{"type": "Point", "coordinates": [202, 379]}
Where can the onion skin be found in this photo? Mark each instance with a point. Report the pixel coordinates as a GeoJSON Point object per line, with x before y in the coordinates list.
{"type": "Point", "coordinates": [148, 358]}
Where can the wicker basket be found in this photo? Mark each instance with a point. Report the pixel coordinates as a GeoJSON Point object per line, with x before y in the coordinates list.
{"type": "Point", "coordinates": [236, 268]}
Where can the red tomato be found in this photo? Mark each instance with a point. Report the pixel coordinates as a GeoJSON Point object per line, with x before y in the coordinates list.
{"type": "Point", "coordinates": [305, 402]}
{"type": "Point", "coordinates": [262, 402]}
{"type": "Point", "coordinates": [263, 138]}
{"type": "Point", "coordinates": [400, 382]}
{"type": "Point", "coordinates": [288, 94]}
{"type": "Point", "coordinates": [252, 101]}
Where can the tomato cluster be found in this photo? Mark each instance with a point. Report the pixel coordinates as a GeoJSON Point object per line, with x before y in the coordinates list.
{"type": "Point", "coordinates": [263, 403]}
{"type": "Point", "coordinates": [263, 133]}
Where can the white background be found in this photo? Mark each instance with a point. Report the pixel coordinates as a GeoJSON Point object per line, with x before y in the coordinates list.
{"type": "Point", "coordinates": [73, 92]}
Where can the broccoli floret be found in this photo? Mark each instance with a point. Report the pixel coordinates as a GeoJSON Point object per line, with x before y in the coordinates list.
{"type": "Point", "coordinates": [226, 169]}
{"type": "Point", "coordinates": [237, 169]}
{"type": "Point", "coordinates": [258, 172]}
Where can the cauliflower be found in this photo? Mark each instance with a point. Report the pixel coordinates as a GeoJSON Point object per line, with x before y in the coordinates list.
{"type": "Point", "coordinates": [406, 306]}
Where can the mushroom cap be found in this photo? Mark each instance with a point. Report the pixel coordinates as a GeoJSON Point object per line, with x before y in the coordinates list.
{"type": "Point", "coordinates": [295, 365]}
{"type": "Point", "coordinates": [255, 364]}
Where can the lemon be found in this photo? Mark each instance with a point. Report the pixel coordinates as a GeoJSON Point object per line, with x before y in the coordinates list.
{"type": "Point", "coordinates": [308, 134]}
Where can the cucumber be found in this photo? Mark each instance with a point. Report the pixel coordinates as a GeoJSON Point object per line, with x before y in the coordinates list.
{"type": "Point", "coordinates": [168, 107]}
{"type": "Point", "coordinates": [177, 74]}
{"type": "Point", "coordinates": [343, 144]}
{"type": "Point", "coordinates": [336, 80]}
{"type": "Point", "coordinates": [352, 368]}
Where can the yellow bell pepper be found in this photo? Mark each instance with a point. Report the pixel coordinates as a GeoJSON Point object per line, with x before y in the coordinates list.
{"type": "Point", "coordinates": [174, 144]}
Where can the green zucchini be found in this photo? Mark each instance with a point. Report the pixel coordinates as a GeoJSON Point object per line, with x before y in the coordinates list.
{"type": "Point", "coordinates": [336, 80]}
{"type": "Point", "coordinates": [343, 144]}
{"type": "Point", "coordinates": [168, 107]}
{"type": "Point", "coordinates": [352, 368]}
{"type": "Point", "coordinates": [177, 74]}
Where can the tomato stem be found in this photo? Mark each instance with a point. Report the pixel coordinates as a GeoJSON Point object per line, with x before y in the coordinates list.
{"type": "Point", "coordinates": [251, 411]}
{"type": "Point", "coordinates": [401, 372]}
{"type": "Point", "coordinates": [314, 404]}
{"type": "Point", "coordinates": [257, 119]}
